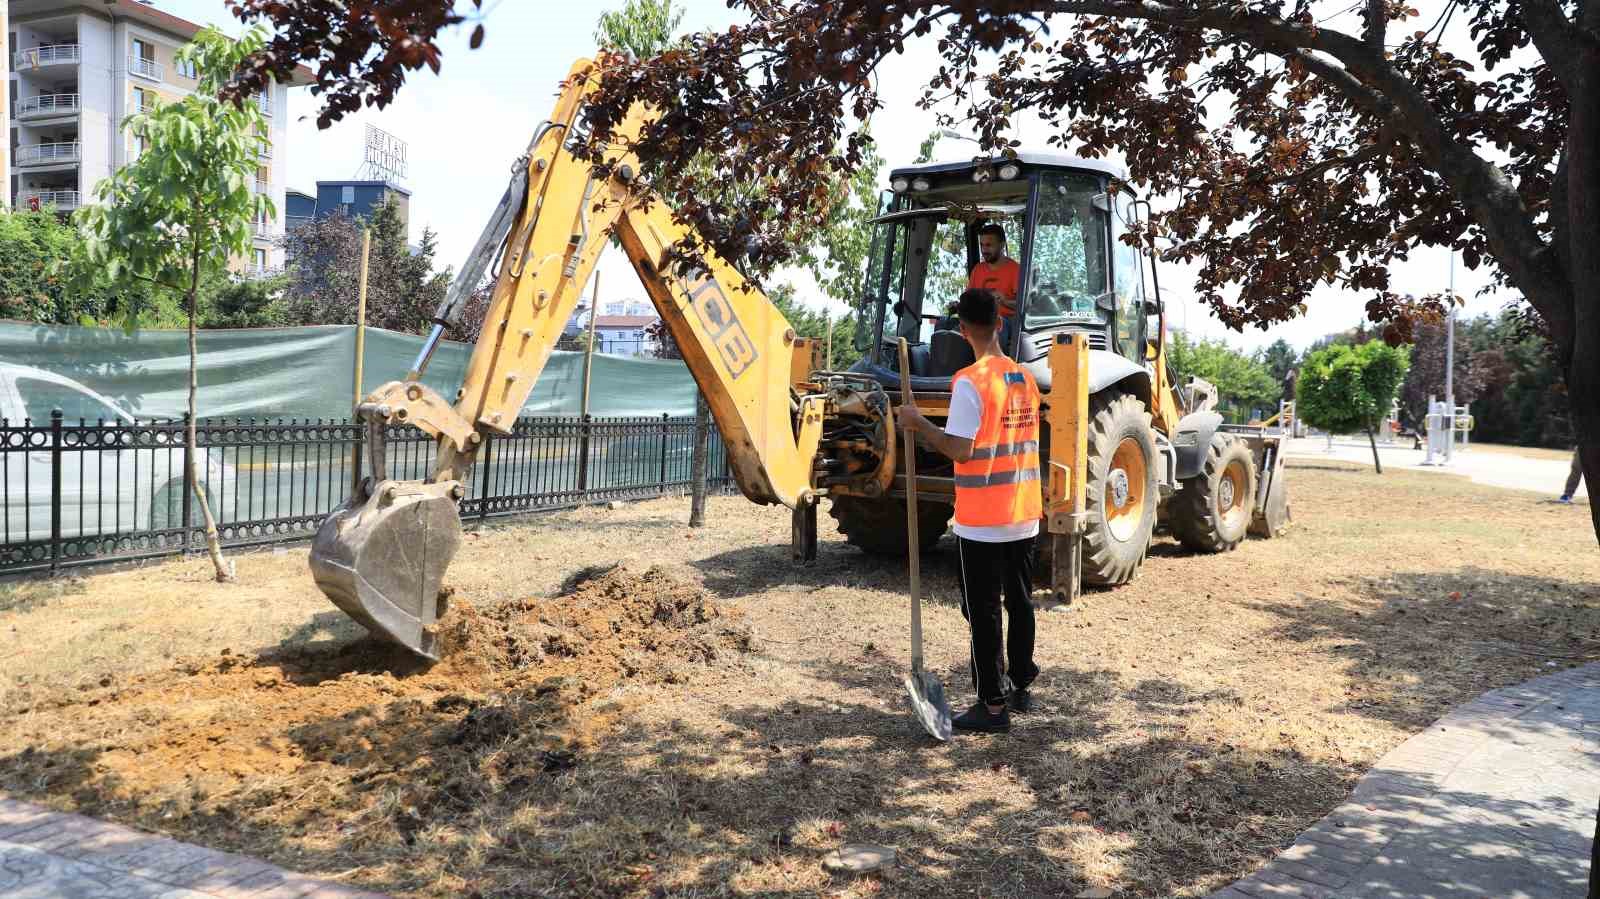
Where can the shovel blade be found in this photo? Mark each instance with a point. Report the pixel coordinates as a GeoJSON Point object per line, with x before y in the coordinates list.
{"type": "Point", "coordinates": [929, 704]}
{"type": "Point", "coordinates": [381, 558]}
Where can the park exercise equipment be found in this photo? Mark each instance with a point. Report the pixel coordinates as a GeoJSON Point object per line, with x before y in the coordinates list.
{"type": "Point", "coordinates": [1123, 445]}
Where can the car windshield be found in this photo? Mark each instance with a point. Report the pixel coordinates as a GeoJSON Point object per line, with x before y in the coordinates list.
{"type": "Point", "coordinates": [39, 397]}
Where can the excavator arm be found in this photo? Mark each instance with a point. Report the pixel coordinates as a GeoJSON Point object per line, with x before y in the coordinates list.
{"type": "Point", "coordinates": [381, 557]}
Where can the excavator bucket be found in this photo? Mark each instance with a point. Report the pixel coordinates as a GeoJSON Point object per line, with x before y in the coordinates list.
{"type": "Point", "coordinates": [382, 556]}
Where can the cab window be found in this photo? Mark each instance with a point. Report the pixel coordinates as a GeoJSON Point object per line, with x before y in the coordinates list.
{"type": "Point", "coordinates": [1067, 277]}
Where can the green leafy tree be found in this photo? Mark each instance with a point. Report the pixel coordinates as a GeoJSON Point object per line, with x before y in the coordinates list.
{"type": "Point", "coordinates": [640, 29]}
{"type": "Point", "coordinates": [245, 303]}
{"type": "Point", "coordinates": [183, 209]}
{"type": "Point", "coordinates": [403, 290]}
{"type": "Point", "coordinates": [1281, 360]}
{"type": "Point", "coordinates": [40, 255]}
{"type": "Point", "coordinates": [1349, 388]}
{"type": "Point", "coordinates": [31, 289]}
{"type": "Point", "coordinates": [1521, 397]}
{"type": "Point", "coordinates": [1244, 383]}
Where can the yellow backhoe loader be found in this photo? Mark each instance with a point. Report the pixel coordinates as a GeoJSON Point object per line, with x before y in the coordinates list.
{"type": "Point", "coordinates": [1122, 446]}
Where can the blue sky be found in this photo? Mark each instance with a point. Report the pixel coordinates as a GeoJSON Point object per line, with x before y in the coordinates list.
{"type": "Point", "coordinates": [466, 125]}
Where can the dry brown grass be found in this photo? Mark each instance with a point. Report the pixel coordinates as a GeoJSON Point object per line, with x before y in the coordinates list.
{"type": "Point", "coordinates": [1187, 725]}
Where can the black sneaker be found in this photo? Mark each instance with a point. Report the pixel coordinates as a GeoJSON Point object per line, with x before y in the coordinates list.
{"type": "Point", "coordinates": [979, 719]}
{"type": "Point", "coordinates": [1020, 700]}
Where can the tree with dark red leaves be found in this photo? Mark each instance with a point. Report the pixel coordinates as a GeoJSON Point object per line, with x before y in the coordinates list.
{"type": "Point", "coordinates": [1295, 145]}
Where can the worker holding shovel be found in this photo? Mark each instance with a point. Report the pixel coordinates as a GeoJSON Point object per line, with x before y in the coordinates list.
{"type": "Point", "coordinates": [992, 434]}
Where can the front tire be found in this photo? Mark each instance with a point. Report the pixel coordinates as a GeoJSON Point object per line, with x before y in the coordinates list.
{"type": "Point", "coordinates": [1120, 490]}
{"type": "Point", "coordinates": [878, 526]}
{"type": "Point", "coordinates": [1211, 511]}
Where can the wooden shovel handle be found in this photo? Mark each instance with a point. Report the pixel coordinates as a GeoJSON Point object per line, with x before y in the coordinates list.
{"type": "Point", "coordinates": [912, 540]}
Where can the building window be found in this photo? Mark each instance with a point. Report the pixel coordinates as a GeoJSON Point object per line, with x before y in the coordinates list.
{"type": "Point", "coordinates": [186, 69]}
{"type": "Point", "coordinates": [258, 261]}
{"type": "Point", "coordinates": [347, 195]}
{"type": "Point", "coordinates": [142, 61]}
{"type": "Point", "coordinates": [143, 101]}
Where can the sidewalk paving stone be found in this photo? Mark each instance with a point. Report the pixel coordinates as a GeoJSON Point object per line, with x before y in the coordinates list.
{"type": "Point", "coordinates": [1496, 799]}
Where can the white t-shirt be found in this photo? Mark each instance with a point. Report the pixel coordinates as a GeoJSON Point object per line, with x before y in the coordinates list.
{"type": "Point", "coordinates": [966, 416]}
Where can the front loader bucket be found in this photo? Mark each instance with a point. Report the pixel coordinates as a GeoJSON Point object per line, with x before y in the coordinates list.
{"type": "Point", "coordinates": [382, 556]}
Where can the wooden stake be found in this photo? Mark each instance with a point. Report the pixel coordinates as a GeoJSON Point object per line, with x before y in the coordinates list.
{"type": "Point", "coordinates": [361, 351]}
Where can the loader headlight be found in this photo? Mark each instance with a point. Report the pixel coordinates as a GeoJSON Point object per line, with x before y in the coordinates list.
{"type": "Point", "coordinates": [983, 175]}
{"type": "Point", "coordinates": [900, 185]}
{"type": "Point", "coordinates": [1010, 171]}
{"type": "Point", "coordinates": [921, 184]}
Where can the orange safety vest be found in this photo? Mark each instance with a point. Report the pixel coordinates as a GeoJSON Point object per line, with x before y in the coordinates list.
{"type": "Point", "coordinates": [999, 485]}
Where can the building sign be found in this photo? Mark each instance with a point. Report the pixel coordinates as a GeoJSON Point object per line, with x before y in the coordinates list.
{"type": "Point", "coordinates": [386, 154]}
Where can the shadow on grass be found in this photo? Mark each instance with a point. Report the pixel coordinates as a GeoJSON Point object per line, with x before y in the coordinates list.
{"type": "Point", "coordinates": [1471, 621]}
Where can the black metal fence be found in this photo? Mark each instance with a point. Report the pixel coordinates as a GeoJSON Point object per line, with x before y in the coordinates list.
{"type": "Point", "coordinates": [74, 494]}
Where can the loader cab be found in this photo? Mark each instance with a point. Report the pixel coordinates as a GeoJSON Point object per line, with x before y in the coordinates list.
{"type": "Point", "coordinates": [1063, 220]}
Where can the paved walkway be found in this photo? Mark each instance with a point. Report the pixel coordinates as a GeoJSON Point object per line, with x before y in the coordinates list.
{"type": "Point", "coordinates": [50, 855]}
{"type": "Point", "coordinates": [1493, 468]}
{"type": "Point", "coordinates": [1496, 799]}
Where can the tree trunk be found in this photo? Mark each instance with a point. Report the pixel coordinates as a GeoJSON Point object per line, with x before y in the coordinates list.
{"type": "Point", "coordinates": [1594, 849]}
{"type": "Point", "coordinates": [697, 461]}
{"type": "Point", "coordinates": [224, 569]}
{"type": "Point", "coordinates": [1373, 439]}
{"type": "Point", "coordinates": [1582, 161]}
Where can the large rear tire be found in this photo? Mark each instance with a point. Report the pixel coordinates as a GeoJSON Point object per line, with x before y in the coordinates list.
{"type": "Point", "coordinates": [1211, 511]}
{"type": "Point", "coordinates": [1120, 490]}
{"type": "Point", "coordinates": [878, 526]}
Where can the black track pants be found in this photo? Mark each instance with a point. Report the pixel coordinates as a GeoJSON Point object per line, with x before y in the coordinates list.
{"type": "Point", "coordinates": [988, 571]}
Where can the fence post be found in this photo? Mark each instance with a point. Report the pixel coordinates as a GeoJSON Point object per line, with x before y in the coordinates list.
{"type": "Point", "coordinates": [697, 461]}
{"type": "Point", "coordinates": [583, 455]}
{"type": "Point", "coordinates": [483, 492]}
{"type": "Point", "coordinates": [188, 483]}
{"type": "Point", "coordinates": [666, 429]}
{"type": "Point", "coordinates": [55, 491]}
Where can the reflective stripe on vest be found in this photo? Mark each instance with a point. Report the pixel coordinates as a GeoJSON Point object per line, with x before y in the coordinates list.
{"type": "Point", "coordinates": [1005, 449]}
{"type": "Point", "coordinates": [999, 482]}
{"type": "Point", "coordinates": [997, 478]}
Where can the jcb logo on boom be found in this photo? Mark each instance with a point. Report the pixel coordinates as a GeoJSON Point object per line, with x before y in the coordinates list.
{"type": "Point", "coordinates": [722, 326]}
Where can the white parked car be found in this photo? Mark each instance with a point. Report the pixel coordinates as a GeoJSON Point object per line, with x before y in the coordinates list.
{"type": "Point", "coordinates": [120, 488]}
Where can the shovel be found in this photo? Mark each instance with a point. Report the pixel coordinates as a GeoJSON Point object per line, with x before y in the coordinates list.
{"type": "Point", "coordinates": [927, 694]}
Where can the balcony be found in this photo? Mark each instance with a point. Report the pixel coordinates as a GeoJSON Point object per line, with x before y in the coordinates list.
{"type": "Point", "coordinates": [46, 105]}
{"type": "Point", "coordinates": [262, 230]}
{"type": "Point", "coordinates": [47, 55]}
{"type": "Point", "coordinates": [263, 187]}
{"type": "Point", "coordinates": [62, 200]}
{"type": "Point", "coordinates": [144, 68]}
{"type": "Point", "coordinates": [48, 154]}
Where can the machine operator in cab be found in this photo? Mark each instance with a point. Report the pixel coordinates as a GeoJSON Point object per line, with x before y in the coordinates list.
{"type": "Point", "coordinates": [992, 435]}
{"type": "Point", "coordinates": [995, 270]}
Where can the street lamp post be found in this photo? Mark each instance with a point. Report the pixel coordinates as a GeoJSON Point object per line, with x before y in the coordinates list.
{"type": "Point", "coordinates": [1450, 366]}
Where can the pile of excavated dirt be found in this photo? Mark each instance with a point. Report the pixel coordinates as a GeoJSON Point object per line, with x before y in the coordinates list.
{"type": "Point", "coordinates": [341, 752]}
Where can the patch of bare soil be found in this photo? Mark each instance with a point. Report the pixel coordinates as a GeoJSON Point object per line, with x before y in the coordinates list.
{"type": "Point", "coordinates": [1187, 726]}
{"type": "Point", "coordinates": [364, 747]}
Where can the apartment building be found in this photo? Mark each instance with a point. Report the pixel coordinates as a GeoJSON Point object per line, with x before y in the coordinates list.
{"type": "Point", "coordinates": [77, 70]}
